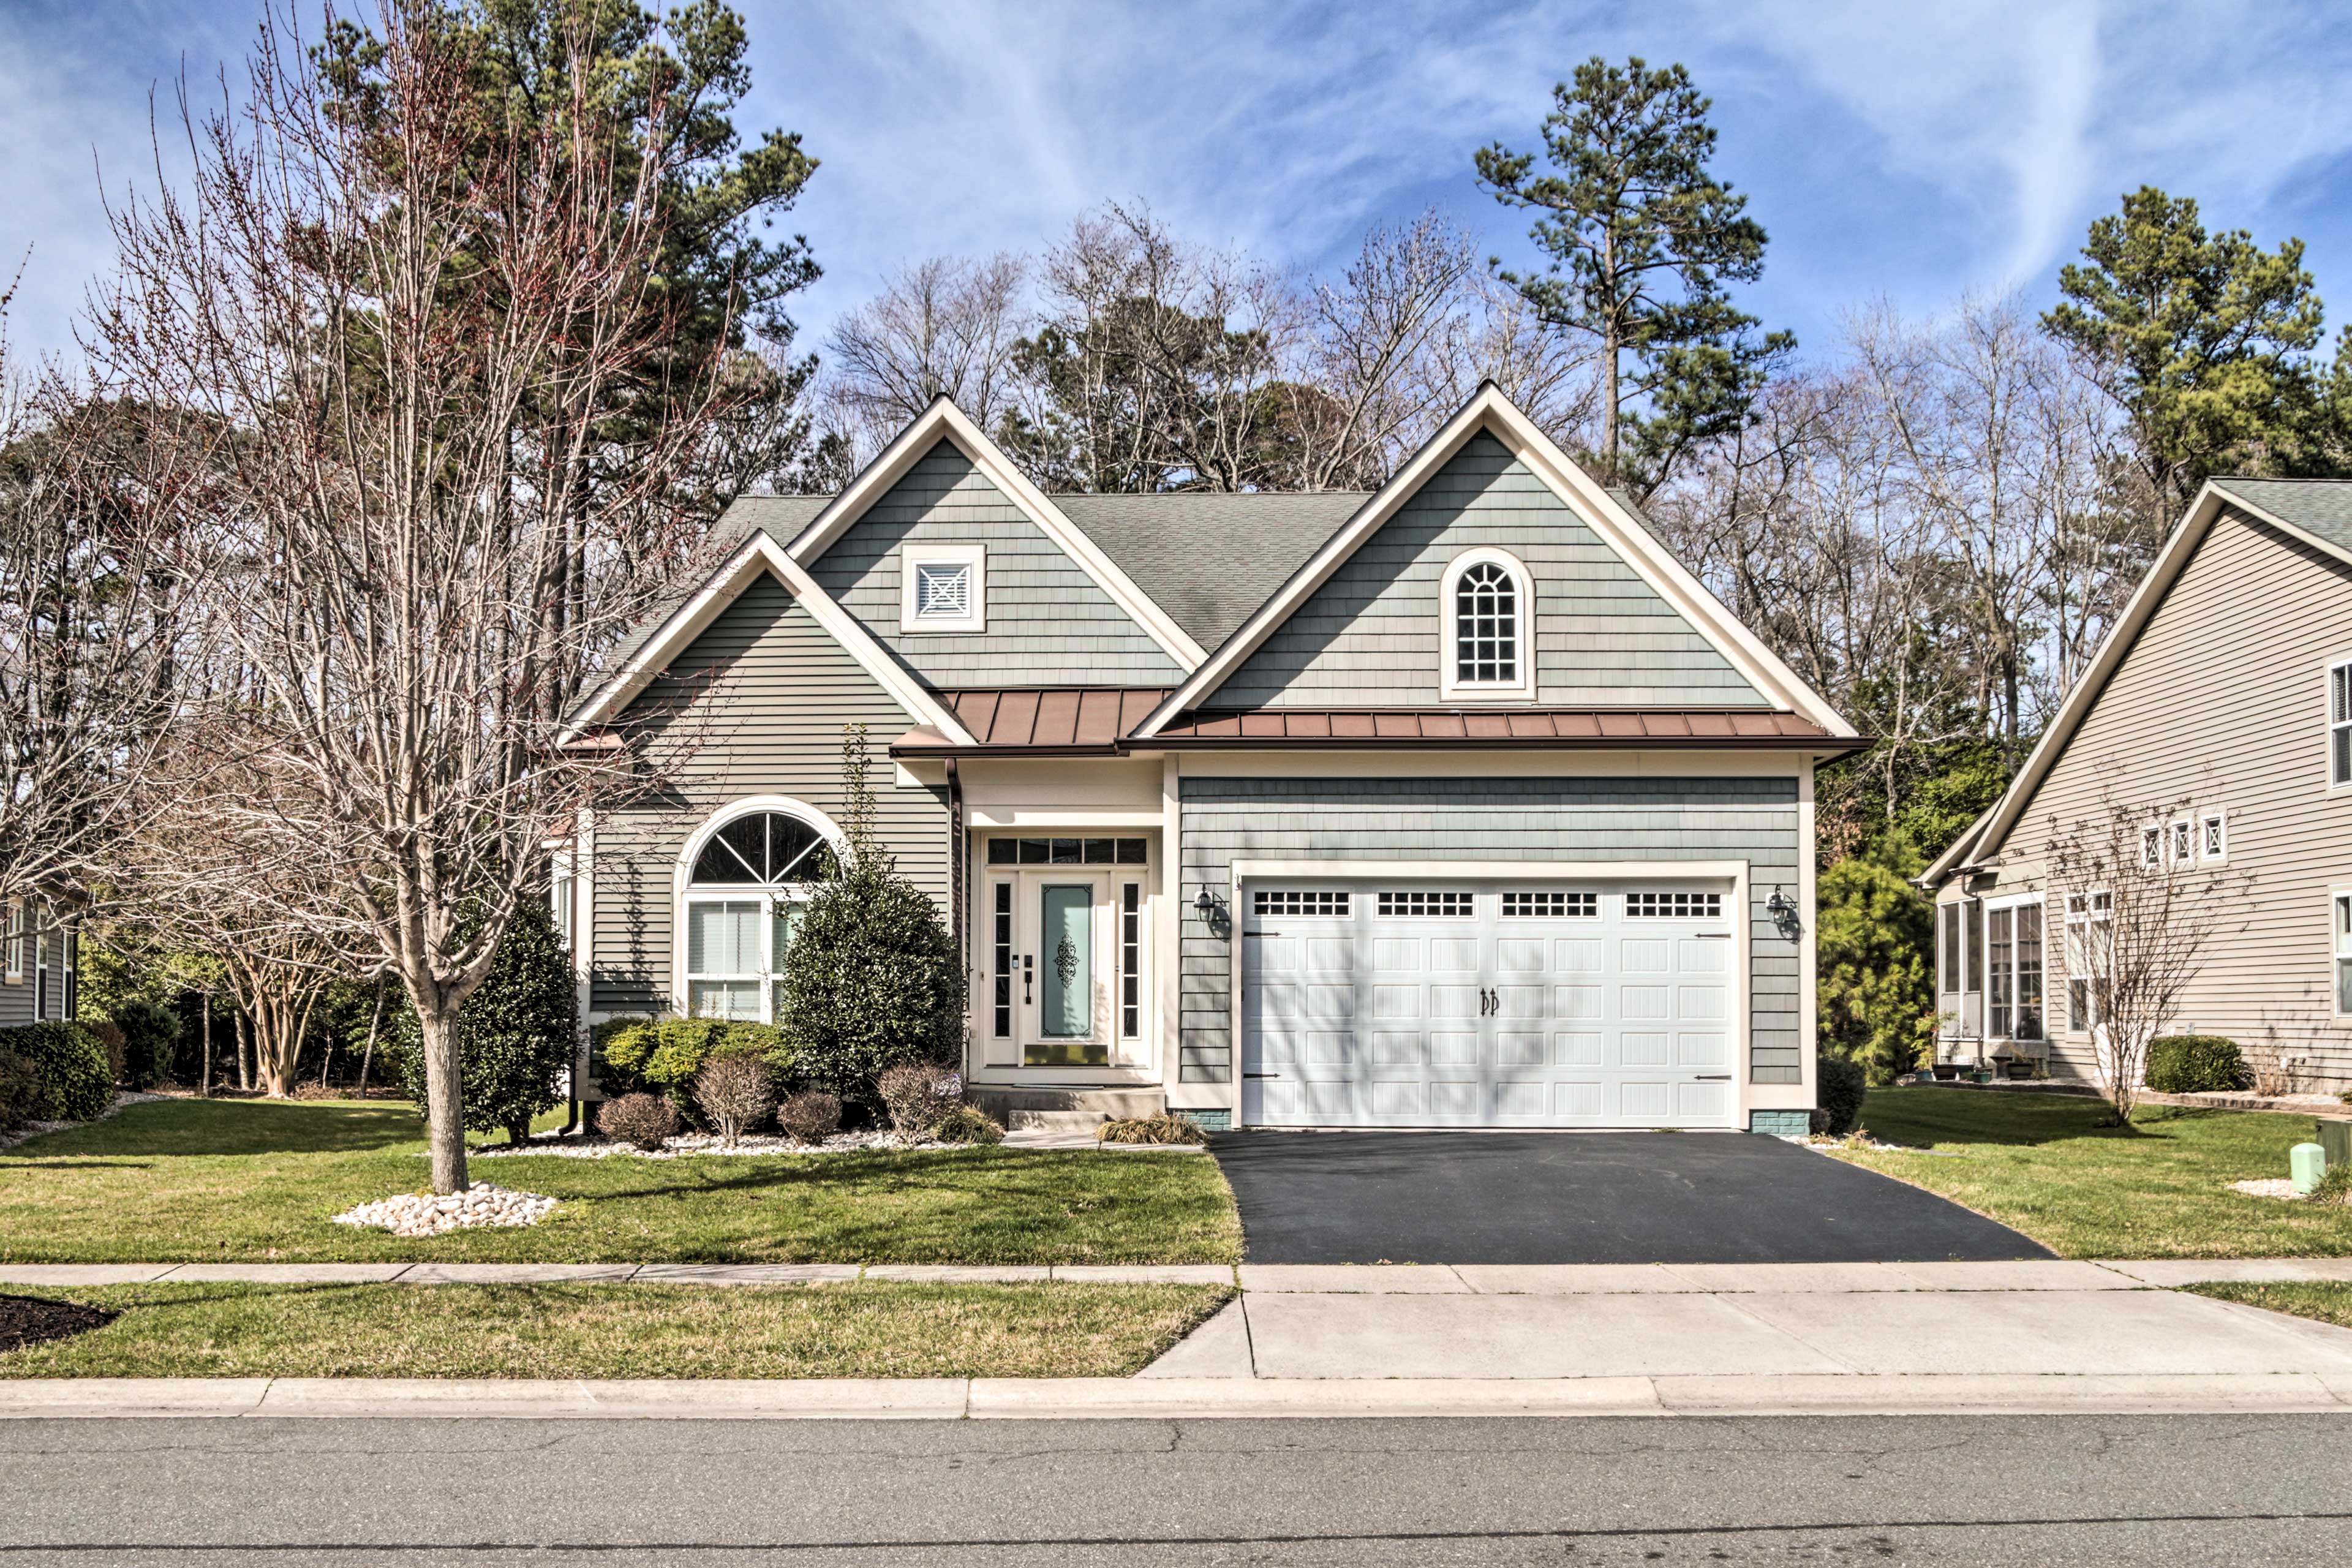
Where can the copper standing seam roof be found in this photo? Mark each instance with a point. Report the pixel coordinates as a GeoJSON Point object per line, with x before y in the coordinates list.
{"type": "Point", "coordinates": [1099, 720]}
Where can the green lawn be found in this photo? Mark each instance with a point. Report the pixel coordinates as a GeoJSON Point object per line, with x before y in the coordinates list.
{"type": "Point", "coordinates": [2042, 1164]}
{"type": "Point", "coordinates": [2327, 1302]}
{"type": "Point", "coordinates": [622, 1331]}
{"type": "Point", "coordinates": [252, 1180]}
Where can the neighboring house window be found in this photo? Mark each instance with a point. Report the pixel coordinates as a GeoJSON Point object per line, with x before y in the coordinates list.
{"type": "Point", "coordinates": [2343, 922]}
{"type": "Point", "coordinates": [17, 941]}
{"type": "Point", "coordinates": [1487, 607]}
{"type": "Point", "coordinates": [946, 586]}
{"type": "Point", "coordinates": [559, 909]}
{"type": "Point", "coordinates": [2013, 972]}
{"type": "Point", "coordinates": [2184, 842]}
{"type": "Point", "coordinates": [2151, 848]}
{"type": "Point", "coordinates": [69, 952]}
{"type": "Point", "coordinates": [40, 967]}
{"type": "Point", "coordinates": [745, 890]}
{"type": "Point", "coordinates": [2213, 836]}
{"type": "Point", "coordinates": [2087, 917]}
{"type": "Point", "coordinates": [2339, 724]}
{"type": "Point", "coordinates": [1948, 972]}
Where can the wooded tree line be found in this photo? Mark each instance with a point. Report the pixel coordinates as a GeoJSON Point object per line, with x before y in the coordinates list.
{"type": "Point", "coordinates": [431, 379]}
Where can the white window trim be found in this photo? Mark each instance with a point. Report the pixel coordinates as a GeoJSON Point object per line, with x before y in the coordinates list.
{"type": "Point", "coordinates": [973, 557]}
{"type": "Point", "coordinates": [16, 942]}
{"type": "Point", "coordinates": [1452, 689]}
{"type": "Point", "coordinates": [2068, 920]}
{"type": "Point", "coordinates": [2327, 712]}
{"type": "Point", "coordinates": [2214, 819]}
{"type": "Point", "coordinates": [2339, 946]}
{"type": "Point", "coordinates": [1989, 907]}
{"type": "Point", "coordinates": [685, 891]}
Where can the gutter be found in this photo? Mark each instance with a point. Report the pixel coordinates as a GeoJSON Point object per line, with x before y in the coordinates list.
{"type": "Point", "coordinates": [1154, 744]}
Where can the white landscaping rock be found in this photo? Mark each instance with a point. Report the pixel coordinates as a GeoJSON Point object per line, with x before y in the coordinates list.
{"type": "Point", "coordinates": [424, 1214]}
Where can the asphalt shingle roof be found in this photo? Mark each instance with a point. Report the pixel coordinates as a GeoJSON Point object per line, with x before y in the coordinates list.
{"type": "Point", "coordinates": [2322, 506]}
{"type": "Point", "coordinates": [1209, 560]}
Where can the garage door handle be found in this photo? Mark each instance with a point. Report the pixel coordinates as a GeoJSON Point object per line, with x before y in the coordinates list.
{"type": "Point", "coordinates": [1712, 1077]}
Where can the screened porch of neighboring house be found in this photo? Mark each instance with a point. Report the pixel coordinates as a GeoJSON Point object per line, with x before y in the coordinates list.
{"type": "Point", "coordinates": [1992, 981]}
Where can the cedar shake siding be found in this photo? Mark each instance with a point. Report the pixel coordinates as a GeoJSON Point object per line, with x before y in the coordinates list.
{"type": "Point", "coordinates": [768, 693]}
{"type": "Point", "coordinates": [2219, 705]}
{"type": "Point", "coordinates": [1047, 621]}
{"type": "Point", "coordinates": [1370, 637]}
{"type": "Point", "coordinates": [1542, 822]}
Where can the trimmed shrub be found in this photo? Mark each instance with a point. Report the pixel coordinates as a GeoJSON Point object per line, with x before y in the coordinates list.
{"type": "Point", "coordinates": [811, 1116]}
{"type": "Point", "coordinates": [151, 1036]}
{"type": "Point", "coordinates": [644, 1119]}
{"type": "Point", "coordinates": [20, 1087]}
{"type": "Point", "coordinates": [1843, 1084]}
{"type": "Point", "coordinates": [1161, 1128]}
{"type": "Point", "coordinates": [917, 1096]}
{"type": "Point", "coordinates": [110, 1038]}
{"type": "Point", "coordinates": [967, 1124]}
{"type": "Point", "coordinates": [515, 1033]}
{"type": "Point", "coordinates": [872, 979]}
{"type": "Point", "coordinates": [2195, 1064]}
{"type": "Point", "coordinates": [77, 1082]}
{"type": "Point", "coordinates": [734, 1091]}
{"type": "Point", "coordinates": [666, 1054]}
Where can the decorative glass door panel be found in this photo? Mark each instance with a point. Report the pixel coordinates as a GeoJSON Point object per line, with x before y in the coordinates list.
{"type": "Point", "coordinates": [1067, 1034]}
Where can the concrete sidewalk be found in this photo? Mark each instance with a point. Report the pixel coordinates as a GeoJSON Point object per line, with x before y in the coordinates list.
{"type": "Point", "coordinates": [1416, 1279]}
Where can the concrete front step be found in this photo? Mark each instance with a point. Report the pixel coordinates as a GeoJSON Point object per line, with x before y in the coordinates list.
{"type": "Point", "coordinates": [1075, 1108]}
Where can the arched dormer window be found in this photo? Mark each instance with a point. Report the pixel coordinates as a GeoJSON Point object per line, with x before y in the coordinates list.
{"type": "Point", "coordinates": [1487, 609]}
{"type": "Point", "coordinates": [743, 877]}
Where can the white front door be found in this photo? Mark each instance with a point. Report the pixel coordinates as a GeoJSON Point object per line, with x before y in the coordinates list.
{"type": "Point", "coordinates": [1547, 1003]}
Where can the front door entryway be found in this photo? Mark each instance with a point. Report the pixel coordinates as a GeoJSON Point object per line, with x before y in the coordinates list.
{"type": "Point", "coordinates": [1063, 976]}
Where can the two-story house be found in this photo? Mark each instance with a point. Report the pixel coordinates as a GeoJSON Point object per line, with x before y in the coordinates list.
{"type": "Point", "coordinates": [1460, 804]}
{"type": "Point", "coordinates": [2220, 707]}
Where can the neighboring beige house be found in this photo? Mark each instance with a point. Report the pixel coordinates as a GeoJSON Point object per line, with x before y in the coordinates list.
{"type": "Point", "coordinates": [2224, 695]}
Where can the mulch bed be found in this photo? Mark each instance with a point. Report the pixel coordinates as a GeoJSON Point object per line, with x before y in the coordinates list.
{"type": "Point", "coordinates": [31, 1320]}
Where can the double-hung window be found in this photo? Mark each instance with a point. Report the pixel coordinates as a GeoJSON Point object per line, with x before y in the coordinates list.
{"type": "Point", "coordinates": [2342, 949]}
{"type": "Point", "coordinates": [2088, 917]}
{"type": "Point", "coordinates": [744, 895]}
{"type": "Point", "coordinates": [2339, 724]}
{"type": "Point", "coordinates": [2013, 972]}
{"type": "Point", "coordinates": [15, 973]}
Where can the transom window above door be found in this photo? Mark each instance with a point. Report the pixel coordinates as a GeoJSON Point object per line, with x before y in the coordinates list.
{"type": "Point", "coordinates": [1486, 608]}
{"type": "Point", "coordinates": [1069, 851]}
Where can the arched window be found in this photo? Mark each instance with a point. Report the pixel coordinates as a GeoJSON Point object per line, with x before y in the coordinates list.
{"type": "Point", "coordinates": [1486, 610]}
{"type": "Point", "coordinates": [747, 876]}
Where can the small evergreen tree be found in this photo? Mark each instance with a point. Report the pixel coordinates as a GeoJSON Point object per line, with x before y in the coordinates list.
{"type": "Point", "coordinates": [872, 978]}
{"type": "Point", "coordinates": [517, 1031]}
{"type": "Point", "coordinates": [1876, 940]}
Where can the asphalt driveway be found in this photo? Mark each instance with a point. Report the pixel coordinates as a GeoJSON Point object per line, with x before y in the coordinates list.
{"type": "Point", "coordinates": [1584, 1197]}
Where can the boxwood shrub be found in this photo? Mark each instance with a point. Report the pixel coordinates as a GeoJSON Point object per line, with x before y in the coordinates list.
{"type": "Point", "coordinates": [663, 1053]}
{"type": "Point", "coordinates": [2195, 1064]}
{"type": "Point", "coordinates": [1843, 1083]}
{"type": "Point", "coordinates": [77, 1080]}
{"type": "Point", "coordinates": [20, 1085]}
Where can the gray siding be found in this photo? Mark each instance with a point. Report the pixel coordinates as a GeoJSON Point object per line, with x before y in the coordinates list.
{"type": "Point", "coordinates": [1370, 638]}
{"type": "Point", "coordinates": [1540, 820]}
{"type": "Point", "coordinates": [762, 698]}
{"type": "Point", "coordinates": [18, 999]}
{"type": "Point", "coordinates": [1048, 623]}
{"type": "Point", "coordinates": [2221, 705]}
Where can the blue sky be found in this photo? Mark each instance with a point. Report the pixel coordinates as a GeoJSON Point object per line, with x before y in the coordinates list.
{"type": "Point", "coordinates": [1911, 151]}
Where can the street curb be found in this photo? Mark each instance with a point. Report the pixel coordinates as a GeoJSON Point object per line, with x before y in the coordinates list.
{"type": "Point", "coordinates": [1062, 1399]}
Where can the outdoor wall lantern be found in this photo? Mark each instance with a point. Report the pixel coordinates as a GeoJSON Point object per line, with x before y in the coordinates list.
{"type": "Point", "coordinates": [1212, 911]}
{"type": "Point", "coordinates": [1783, 911]}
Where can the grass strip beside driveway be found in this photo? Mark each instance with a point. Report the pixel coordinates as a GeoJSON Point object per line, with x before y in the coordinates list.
{"type": "Point", "coordinates": [2327, 1302]}
{"type": "Point", "coordinates": [2043, 1164]}
{"type": "Point", "coordinates": [621, 1331]}
{"type": "Point", "coordinates": [249, 1182]}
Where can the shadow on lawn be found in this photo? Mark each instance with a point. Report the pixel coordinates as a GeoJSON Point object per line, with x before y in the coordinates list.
{"type": "Point", "coordinates": [1905, 1115]}
{"type": "Point", "coordinates": [181, 1127]}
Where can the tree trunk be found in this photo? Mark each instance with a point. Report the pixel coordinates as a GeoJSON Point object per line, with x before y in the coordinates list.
{"type": "Point", "coordinates": [445, 1110]}
{"type": "Point", "coordinates": [244, 1054]}
{"type": "Point", "coordinates": [517, 1131]}
{"type": "Point", "coordinates": [375, 1023]}
{"type": "Point", "coordinates": [204, 1071]}
{"type": "Point", "coordinates": [327, 1058]}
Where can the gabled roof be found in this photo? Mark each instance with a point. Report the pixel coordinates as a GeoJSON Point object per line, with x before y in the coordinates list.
{"type": "Point", "coordinates": [675, 631]}
{"type": "Point", "coordinates": [943, 421]}
{"type": "Point", "coordinates": [2318, 512]}
{"type": "Point", "coordinates": [1611, 518]}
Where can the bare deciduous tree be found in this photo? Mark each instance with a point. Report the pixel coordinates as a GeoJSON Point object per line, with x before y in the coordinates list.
{"type": "Point", "coordinates": [419, 330]}
{"type": "Point", "coordinates": [941, 328]}
{"type": "Point", "coordinates": [2151, 924]}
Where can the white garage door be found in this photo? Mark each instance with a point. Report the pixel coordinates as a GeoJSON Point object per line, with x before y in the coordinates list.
{"type": "Point", "coordinates": [1535, 1003]}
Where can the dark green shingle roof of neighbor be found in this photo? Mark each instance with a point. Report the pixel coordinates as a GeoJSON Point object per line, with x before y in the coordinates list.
{"type": "Point", "coordinates": [2324, 507]}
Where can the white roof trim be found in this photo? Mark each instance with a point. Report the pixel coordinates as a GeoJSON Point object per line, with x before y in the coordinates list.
{"type": "Point", "coordinates": [762, 554]}
{"type": "Point", "coordinates": [1988, 831]}
{"type": "Point", "coordinates": [1609, 517]}
{"type": "Point", "coordinates": [944, 421]}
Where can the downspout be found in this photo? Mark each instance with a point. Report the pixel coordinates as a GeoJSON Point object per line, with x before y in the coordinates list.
{"type": "Point", "coordinates": [956, 864]}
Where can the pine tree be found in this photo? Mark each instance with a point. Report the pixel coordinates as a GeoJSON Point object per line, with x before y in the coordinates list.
{"type": "Point", "coordinates": [1642, 240]}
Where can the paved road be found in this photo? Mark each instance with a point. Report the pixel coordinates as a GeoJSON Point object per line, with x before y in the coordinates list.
{"type": "Point", "coordinates": [1982, 1490]}
{"type": "Point", "coordinates": [1584, 1197]}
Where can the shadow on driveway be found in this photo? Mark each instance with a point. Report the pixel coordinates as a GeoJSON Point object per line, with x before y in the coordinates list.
{"type": "Point", "coordinates": [1584, 1197]}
